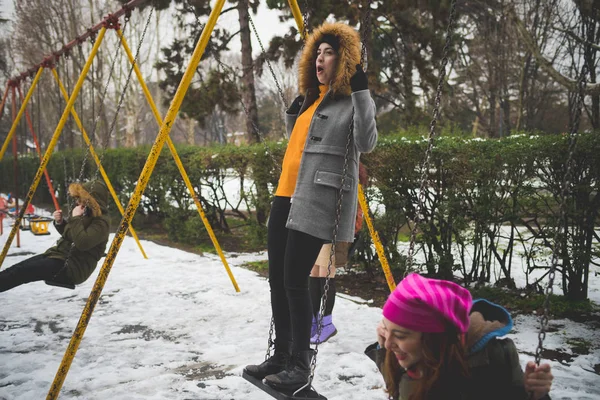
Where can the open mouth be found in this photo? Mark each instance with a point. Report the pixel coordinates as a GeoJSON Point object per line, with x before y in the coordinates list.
{"type": "Point", "coordinates": [320, 69]}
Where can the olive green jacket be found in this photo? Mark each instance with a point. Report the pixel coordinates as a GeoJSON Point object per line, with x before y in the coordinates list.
{"type": "Point", "coordinates": [83, 238]}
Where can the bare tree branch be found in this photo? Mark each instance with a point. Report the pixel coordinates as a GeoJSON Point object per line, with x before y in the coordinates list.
{"type": "Point", "coordinates": [577, 38]}
{"type": "Point", "coordinates": [570, 84]}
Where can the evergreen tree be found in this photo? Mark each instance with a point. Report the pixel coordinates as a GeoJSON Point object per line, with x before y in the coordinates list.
{"type": "Point", "coordinates": [209, 94]}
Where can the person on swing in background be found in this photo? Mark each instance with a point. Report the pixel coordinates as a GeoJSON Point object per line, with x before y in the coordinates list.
{"type": "Point", "coordinates": [319, 273]}
{"type": "Point", "coordinates": [334, 93]}
{"type": "Point", "coordinates": [76, 254]}
{"type": "Point", "coordinates": [435, 342]}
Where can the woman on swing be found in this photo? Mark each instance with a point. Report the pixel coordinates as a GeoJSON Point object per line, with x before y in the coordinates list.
{"type": "Point", "coordinates": [83, 240]}
{"type": "Point", "coordinates": [334, 93]}
{"type": "Point", "coordinates": [434, 342]}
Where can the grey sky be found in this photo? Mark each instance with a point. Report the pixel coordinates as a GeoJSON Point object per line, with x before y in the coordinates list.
{"type": "Point", "coordinates": [267, 21]}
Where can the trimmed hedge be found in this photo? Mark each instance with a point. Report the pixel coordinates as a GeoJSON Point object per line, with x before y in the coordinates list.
{"type": "Point", "coordinates": [479, 191]}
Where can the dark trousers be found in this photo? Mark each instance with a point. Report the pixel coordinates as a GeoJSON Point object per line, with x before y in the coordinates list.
{"type": "Point", "coordinates": [36, 268]}
{"type": "Point", "coordinates": [292, 255]}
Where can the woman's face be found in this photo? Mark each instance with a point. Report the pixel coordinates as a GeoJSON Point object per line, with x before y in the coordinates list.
{"type": "Point", "coordinates": [326, 63]}
{"type": "Point", "coordinates": [404, 343]}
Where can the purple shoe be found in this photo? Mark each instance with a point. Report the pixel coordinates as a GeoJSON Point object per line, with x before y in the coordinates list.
{"type": "Point", "coordinates": [328, 330]}
{"type": "Point", "coordinates": [313, 328]}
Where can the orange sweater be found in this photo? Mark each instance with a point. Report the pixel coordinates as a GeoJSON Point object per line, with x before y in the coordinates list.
{"type": "Point", "coordinates": [295, 148]}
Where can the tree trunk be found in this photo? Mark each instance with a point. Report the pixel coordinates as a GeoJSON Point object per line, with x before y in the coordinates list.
{"type": "Point", "coordinates": [407, 83]}
{"type": "Point", "coordinates": [522, 91]}
{"type": "Point", "coordinates": [190, 131]}
{"type": "Point", "coordinates": [130, 129]}
{"type": "Point", "coordinates": [248, 89]}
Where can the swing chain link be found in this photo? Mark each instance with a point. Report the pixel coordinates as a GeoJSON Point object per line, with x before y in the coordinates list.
{"type": "Point", "coordinates": [425, 166]}
{"type": "Point", "coordinates": [92, 36]}
{"type": "Point", "coordinates": [338, 217]}
{"type": "Point", "coordinates": [264, 53]}
{"type": "Point", "coordinates": [560, 235]}
{"type": "Point", "coordinates": [305, 23]}
{"type": "Point", "coordinates": [338, 213]}
{"type": "Point", "coordinates": [365, 28]}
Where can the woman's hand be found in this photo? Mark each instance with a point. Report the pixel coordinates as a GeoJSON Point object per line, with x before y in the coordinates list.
{"type": "Point", "coordinates": [538, 380]}
{"type": "Point", "coordinates": [359, 80]}
{"type": "Point", "coordinates": [78, 210]}
{"type": "Point", "coordinates": [58, 217]}
{"type": "Point", "coordinates": [296, 105]}
{"type": "Point", "coordinates": [381, 334]}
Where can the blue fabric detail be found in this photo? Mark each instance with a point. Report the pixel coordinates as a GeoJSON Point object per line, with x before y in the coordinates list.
{"type": "Point", "coordinates": [507, 320]}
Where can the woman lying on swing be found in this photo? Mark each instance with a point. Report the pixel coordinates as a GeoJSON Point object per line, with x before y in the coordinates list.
{"type": "Point", "coordinates": [75, 256]}
{"type": "Point", "coordinates": [434, 342]}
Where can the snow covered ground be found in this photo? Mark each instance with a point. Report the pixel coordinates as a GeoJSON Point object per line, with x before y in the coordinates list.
{"type": "Point", "coordinates": [173, 327]}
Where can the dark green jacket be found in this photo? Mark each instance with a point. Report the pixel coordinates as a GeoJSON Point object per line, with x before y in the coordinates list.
{"type": "Point", "coordinates": [84, 238]}
{"type": "Point", "coordinates": [494, 366]}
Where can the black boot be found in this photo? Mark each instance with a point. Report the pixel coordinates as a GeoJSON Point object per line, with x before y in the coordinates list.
{"type": "Point", "coordinates": [296, 376]}
{"type": "Point", "coordinates": [276, 363]}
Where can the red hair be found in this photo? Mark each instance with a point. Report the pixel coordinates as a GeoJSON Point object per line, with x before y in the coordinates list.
{"type": "Point", "coordinates": [444, 368]}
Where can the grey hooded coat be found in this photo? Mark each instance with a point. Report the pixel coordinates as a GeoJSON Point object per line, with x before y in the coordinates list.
{"type": "Point", "coordinates": [314, 203]}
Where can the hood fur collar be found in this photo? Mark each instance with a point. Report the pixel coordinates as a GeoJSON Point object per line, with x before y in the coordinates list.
{"type": "Point", "coordinates": [77, 190]}
{"type": "Point", "coordinates": [348, 57]}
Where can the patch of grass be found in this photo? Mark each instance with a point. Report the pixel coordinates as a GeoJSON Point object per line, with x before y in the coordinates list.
{"type": "Point", "coordinates": [579, 345]}
{"type": "Point", "coordinates": [404, 237]}
{"type": "Point", "coordinates": [205, 247]}
{"type": "Point", "coordinates": [525, 302]}
{"type": "Point", "coordinates": [261, 267]}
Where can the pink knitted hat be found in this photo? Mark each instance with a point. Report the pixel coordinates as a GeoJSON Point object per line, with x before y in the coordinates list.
{"type": "Point", "coordinates": [423, 305]}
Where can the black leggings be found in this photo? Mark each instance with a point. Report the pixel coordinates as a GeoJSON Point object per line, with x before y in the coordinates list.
{"type": "Point", "coordinates": [36, 268]}
{"type": "Point", "coordinates": [292, 254]}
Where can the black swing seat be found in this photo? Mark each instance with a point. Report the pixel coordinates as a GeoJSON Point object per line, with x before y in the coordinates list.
{"type": "Point", "coordinates": [286, 395]}
{"type": "Point", "coordinates": [61, 284]}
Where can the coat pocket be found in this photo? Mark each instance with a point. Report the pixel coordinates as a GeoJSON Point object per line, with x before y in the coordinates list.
{"type": "Point", "coordinates": [334, 180]}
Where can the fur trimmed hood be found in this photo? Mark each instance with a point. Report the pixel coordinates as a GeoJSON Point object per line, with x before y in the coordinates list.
{"type": "Point", "coordinates": [93, 194]}
{"type": "Point", "coordinates": [348, 57]}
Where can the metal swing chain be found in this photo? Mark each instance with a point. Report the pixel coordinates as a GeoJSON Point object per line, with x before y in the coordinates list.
{"type": "Point", "coordinates": [365, 28]}
{"type": "Point", "coordinates": [86, 154]}
{"type": "Point", "coordinates": [124, 91]}
{"type": "Point", "coordinates": [122, 94]}
{"type": "Point", "coordinates": [105, 91]}
{"type": "Point", "coordinates": [338, 217]}
{"type": "Point", "coordinates": [69, 125]}
{"type": "Point", "coordinates": [338, 214]}
{"type": "Point", "coordinates": [64, 157]}
{"type": "Point", "coordinates": [277, 165]}
{"type": "Point", "coordinates": [92, 41]}
{"type": "Point", "coordinates": [270, 342]}
{"type": "Point", "coordinates": [305, 22]}
{"type": "Point", "coordinates": [262, 48]}
{"type": "Point", "coordinates": [562, 220]}
{"type": "Point", "coordinates": [113, 123]}
{"type": "Point", "coordinates": [436, 113]}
